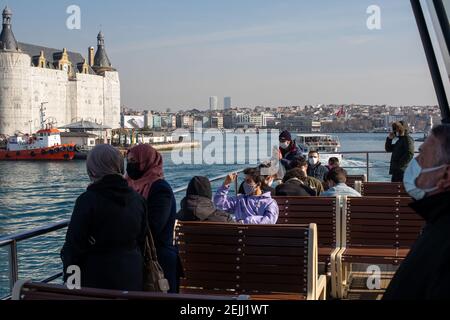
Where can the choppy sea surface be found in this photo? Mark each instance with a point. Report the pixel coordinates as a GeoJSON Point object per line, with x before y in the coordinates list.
{"type": "Point", "coordinates": [36, 194]}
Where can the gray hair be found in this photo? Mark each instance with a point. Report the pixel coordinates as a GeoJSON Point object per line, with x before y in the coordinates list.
{"type": "Point", "coordinates": [442, 133]}
{"type": "Point", "coordinates": [104, 160]}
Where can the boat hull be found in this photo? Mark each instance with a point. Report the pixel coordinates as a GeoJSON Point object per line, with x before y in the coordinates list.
{"type": "Point", "coordinates": [62, 153]}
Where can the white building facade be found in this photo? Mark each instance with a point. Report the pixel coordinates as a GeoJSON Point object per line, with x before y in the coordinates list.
{"type": "Point", "coordinates": [70, 87]}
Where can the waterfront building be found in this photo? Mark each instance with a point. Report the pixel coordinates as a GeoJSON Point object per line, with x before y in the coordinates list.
{"type": "Point", "coordinates": [227, 103]}
{"type": "Point", "coordinates": [70, 86]}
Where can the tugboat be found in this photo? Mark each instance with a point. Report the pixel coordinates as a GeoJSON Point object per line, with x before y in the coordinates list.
{"type": "Point", "coordinates": [43, 145]}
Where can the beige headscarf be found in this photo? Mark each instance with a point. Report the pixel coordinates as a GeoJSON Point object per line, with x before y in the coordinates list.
{"type": "Point", "coordinates": [104, 160]}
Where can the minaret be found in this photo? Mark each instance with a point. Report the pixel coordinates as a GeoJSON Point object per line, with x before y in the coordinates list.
{"type": "Point", "coordinates": [101, 60]}
{"type": "Point", "coordinates": [7, 40]}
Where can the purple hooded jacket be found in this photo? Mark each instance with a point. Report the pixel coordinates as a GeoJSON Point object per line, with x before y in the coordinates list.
{"type": "Point", "coordinates": [249, 209]}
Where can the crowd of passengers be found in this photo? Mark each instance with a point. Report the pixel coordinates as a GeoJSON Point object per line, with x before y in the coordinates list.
{"type": "Point", "coordinates": [110, 221]}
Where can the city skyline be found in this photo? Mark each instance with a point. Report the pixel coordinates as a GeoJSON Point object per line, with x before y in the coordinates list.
{"type": "Point", "coordinates": [171, 55]}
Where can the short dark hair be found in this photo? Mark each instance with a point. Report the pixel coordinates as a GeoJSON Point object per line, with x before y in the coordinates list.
{"type": "Point", "coordinates": [294, 173]}
{"type": "Point", "coordinates": [337, 175]}
{"type": "Point", "coordinates": [333, 161]}
{"type": "Point", "coordinates": [298, 162]}
{"type": "Point", "coordinates": [313, 151]}
{"type": "Point", "coordinates": [442, 133]}
{"type": "Point", "coordinates": [255, 174]}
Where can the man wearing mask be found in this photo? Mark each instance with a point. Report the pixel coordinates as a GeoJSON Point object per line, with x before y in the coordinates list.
{"type": "Point", "coordinates": [289, 150]}
{"type": "Point", "coordinates": [252, 207]}
{"type": "Point", "coordinates": [402, 151]}
{"type": "Point", "coordinates": [315, 168]}
{"type": "Point", "coordinates": [425, 273]}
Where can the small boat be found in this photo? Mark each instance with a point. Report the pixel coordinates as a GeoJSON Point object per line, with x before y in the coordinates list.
{"type": "Point", "coordinates": [328, 146]}
{"type": "Point", "coordinates": [44, 145]}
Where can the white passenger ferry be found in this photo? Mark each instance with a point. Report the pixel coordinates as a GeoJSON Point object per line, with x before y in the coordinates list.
{"type": "Point", "coordinates": [328, 146]}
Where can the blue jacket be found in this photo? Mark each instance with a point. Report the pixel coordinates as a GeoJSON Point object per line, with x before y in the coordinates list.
{"type": "Point", "coordinates": [341, 190]}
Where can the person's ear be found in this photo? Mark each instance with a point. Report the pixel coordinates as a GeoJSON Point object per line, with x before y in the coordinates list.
{"type": "Point", "coordinates": [444, 182]}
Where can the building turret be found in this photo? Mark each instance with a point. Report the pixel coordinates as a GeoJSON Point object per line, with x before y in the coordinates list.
{"type": "Point", "coordinates": [7, 40]}
{"type": "Point", "coordinates": [101, 59]}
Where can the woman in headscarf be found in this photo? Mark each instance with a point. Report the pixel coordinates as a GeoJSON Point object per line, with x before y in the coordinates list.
{"type": "Point", "coordinates": [146, 176]}
{"type": "Point", "coordinates": [198, 205]}
{"type": "Point", "coordinates": [106, 235]}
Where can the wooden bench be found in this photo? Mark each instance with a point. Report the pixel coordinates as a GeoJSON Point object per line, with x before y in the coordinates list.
{"type": "Point", "coordinates": [27, 290]}
{"type": "Point", "coordinates": [376, 231]}
{"type": "Point", "coordinates": [263, 261]}
{"type": "Point", "coordinates": [382, 189]}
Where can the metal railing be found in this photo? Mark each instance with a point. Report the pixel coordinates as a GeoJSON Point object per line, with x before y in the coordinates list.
{"type": "Point", "coordinates": [13, 240]}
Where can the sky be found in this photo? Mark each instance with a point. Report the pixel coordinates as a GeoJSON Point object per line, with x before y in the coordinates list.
{"type": "Point", "coordinates": [177, 53]}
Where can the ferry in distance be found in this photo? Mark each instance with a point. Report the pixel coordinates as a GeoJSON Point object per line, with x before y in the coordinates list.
{"type": "Point", "coordinates": [328, 146]}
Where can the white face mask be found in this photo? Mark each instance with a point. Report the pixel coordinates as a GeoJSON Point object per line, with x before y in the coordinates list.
{"type": "Point", "coordinates": [313, 161]}
{"type": "Point", "coordinates": [412, 173]}
{"type": "Point", "coordinates": [285, 145]}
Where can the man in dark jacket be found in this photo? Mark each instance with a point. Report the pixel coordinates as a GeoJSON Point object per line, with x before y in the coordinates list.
{"type": "Point", "coordinates": [294, 186]}
{"type": "Point", "coordinates": [402, 150]}
{"type": "Point", "coordinates": [425, 273]}
{"type": "Point", "coordinates": [289, 150]}
{"type": "Point", "coordinates": [315, 168]}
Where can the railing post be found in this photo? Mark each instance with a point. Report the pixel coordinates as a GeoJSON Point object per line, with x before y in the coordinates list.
{"type": "Point", "coordinates": [236, 186]}
{"type": "Point", "coordinates": [368, 165]}
{"type": "Point", "coordinates": [13, 264]}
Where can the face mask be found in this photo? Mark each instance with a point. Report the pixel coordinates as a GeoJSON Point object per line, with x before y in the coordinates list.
{"type": "Point", "coordinates": [133, 171]}
{"type": "Point", "coordinates": [313, 161]}
{"type": "Point", "coordinates": [413, 172]}
{"type": "Point", "coordinates": [285, 145]}
{"type": "Point", "coordinates": [249, 189]}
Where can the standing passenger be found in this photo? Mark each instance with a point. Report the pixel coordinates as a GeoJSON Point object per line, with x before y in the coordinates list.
{"type": "Point", "coordinates": [145, 175]}
{"type": "Point", "coordinates": [106, 234]}
{"type": "Point", "coordinates": [402, 150]}
{"type": "Point", "coordinates": [289, 150]}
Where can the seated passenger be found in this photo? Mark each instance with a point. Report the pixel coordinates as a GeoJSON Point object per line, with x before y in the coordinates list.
{"type": "Point", "coordinates": [294, 185]}
{"type": "Point", "coordinates": [311, 182]}
{"type": "Point", "coordinates": [337, 179]}
{"type": "Point", "coordinates": [106, 234]}
{"type": "Point", "coordinates": [253, 207]}
{"type": "Point", "coordinates": [269, 176]}
{"type": "Point", "coordinates": [198, 206]}
{"type": "Point", "coordinates": [333, 163]}
{"type": "Point", "coordinates": [315, 168]}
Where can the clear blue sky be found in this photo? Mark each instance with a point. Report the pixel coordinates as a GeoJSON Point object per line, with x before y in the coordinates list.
{"type": "Point", "coordinates": [177, 53]}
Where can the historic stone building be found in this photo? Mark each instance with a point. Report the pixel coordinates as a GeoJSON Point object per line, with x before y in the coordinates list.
{"type": "Point", "coordinates": [70, 87]}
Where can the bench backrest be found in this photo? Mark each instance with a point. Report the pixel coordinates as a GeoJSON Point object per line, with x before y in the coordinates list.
{"type": "Point", "coordinates": [25, 290]}
{"type": "Point", "coordinates": [324, 212]}
{"type": "Point", "coordinates": [351, 179]}
{"type": "Point", "coordinates": [248, 259]}
{"type": "Point", "coordinates": [383, 189]}
{"type": "Point", "coordinates": [380, 222]}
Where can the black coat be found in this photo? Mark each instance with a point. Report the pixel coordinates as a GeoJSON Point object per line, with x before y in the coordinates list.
{"type": "Point", "coordinates": [425, 273]}
{"type": "Point", "coordinates": [106, 235]}
{"type": "Point", "coordinates": [198, 208]}
{"type": "Point", "coordinates": [318, 171]}
{"type": "Point", "coordinates": [162, 210]}
{"type": "Point", "coordinates": [294, 188]}
{"type": "Point", "coordinates": [402, 153]}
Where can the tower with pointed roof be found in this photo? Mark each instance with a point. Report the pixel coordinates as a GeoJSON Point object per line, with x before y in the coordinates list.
{"type": "Point", "coordinates": [7, 40]}
{"type": "Point", "coordinates": [101, 59]}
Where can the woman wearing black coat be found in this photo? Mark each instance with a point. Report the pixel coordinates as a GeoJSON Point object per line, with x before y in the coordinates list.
{"type": "Point", "coordinates": [146, 176]}
{"type": "Point", "coordinates": [107, 230]}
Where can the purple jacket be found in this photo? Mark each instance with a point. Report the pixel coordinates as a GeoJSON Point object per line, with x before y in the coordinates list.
{"type": "Point", "coordinates": [251, 209]}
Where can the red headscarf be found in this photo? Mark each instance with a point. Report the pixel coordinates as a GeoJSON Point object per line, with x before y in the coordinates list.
{"type": "Point", "coordinates": [151, 163]}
